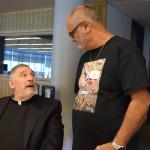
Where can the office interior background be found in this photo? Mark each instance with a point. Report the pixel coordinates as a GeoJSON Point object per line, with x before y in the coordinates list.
{"type": "Point", "coordinates": [34, 32]}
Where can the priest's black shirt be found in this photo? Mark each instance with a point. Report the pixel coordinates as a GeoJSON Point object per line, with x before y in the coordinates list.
{"type": "Point", "coordinates": [12, 125]}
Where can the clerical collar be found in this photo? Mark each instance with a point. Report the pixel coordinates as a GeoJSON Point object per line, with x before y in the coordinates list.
{"type": "Point", "coordinates": [19, 102]}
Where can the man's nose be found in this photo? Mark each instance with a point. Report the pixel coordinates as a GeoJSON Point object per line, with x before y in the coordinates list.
{"type": "Point", "coordinates": [30, 77]}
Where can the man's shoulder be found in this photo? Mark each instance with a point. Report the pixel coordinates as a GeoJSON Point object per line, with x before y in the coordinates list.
{"type": "Point", "coordinates": [4, 98]}
{"type": "Point", "coordinates": [47, 101]}
{"type": "Point", "coordinates": [121, 40]}
{"type": "Point", "coordinates": [124, 47]}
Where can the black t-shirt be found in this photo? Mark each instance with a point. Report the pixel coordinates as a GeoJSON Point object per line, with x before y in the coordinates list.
{"type": "Point", "coordinates": [119, 69]}
{"type": "Point", "coordinates": [12, 124]}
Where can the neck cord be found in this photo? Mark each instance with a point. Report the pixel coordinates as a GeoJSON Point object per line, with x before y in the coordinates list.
{"type": "Point", "coordinates": [97, 54]}
{"type": "Point", "coordinates": [99, 51]}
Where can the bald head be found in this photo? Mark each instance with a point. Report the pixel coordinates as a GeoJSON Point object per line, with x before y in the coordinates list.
{"type": "Point", "coordinates": [85, 28]}
{"type": "Point", "coordinates": [82, 13]}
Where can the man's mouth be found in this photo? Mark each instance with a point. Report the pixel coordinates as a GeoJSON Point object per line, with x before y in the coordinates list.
{"type": "Point", "coordinates": [30, 86]}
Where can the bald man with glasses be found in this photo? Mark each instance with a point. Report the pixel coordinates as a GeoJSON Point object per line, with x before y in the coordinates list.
{"type": "Point", "coordinates": [29, 121]}
{"type": "Point", "coordinates": [112, 86]}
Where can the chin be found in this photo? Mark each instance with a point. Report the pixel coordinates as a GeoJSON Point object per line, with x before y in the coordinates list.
{"type": "Point", "coordinates": [30, 94]}
{"type": "Point", "coordinates": [83, 48]}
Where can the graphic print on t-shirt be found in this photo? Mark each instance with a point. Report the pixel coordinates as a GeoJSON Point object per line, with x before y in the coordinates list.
{"type": "Point", "coordinates": [89, 86]}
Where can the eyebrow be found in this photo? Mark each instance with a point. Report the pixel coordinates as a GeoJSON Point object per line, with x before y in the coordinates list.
{"type": "Point", "coordinates": [25, 71]}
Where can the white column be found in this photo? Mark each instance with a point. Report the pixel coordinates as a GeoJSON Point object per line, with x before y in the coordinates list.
{"type": "Point", "coordinates": [65, 60]}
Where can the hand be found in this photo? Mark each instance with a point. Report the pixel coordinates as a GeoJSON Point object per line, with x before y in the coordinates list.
{"type": "Point", "coordinates": [106, 146]}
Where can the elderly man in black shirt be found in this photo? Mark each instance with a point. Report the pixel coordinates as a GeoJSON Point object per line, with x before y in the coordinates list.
{"type": "Point", "coordinates": [29, 121]}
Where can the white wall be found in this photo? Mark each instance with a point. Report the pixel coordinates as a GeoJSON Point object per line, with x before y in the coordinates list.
{"type": "Point", "coordinates": [118, 23]}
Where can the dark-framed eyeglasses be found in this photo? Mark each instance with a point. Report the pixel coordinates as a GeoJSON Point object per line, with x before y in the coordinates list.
{"type": "Point", "coordinates": [74, 30]}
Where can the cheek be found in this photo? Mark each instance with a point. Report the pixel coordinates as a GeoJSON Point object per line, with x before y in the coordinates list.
{"type": "Point", "coordinates": [19, 85]}
{"type": "Point", "coordinates": [81, 40]}
{"type": "Point", "coordinates": [77, 37]}
{"type": "Point", "coordinates": [20, 88]}
{"type": "Point", "coordinates": [34, 81]}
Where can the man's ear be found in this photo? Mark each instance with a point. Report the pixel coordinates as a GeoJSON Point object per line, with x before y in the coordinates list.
{"type": "Point", "coordinates": [11, 84]}
{"type": "Point", "coordinates": [87, 26]}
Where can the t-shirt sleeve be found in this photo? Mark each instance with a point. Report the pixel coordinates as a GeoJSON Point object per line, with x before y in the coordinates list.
{"type": "Point", "coordinates": [133, 71]}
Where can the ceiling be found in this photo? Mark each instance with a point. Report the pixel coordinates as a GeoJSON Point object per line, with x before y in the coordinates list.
{"type": "Point", "coordinates": [29, 43]}
{"type": "Point", "coordinates": [20, 5]}
{"type": "Point", "coordinates": [137, 9]}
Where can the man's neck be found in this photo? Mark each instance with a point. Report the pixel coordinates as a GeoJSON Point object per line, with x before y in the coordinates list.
{"type": "Point", "coordinates": [21, 97]}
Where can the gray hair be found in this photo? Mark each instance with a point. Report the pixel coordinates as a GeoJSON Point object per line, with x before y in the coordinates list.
{"type": "Point", "coordinates": [84, 11]}
{"type": "Point", "coordinates": [13, 70]}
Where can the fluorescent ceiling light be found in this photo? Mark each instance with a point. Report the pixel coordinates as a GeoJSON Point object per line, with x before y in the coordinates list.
{"type": "Point", "coordinates": [23, 38]}
{"type": "Point", "coordinates": [45, 51]}
{"type": "Point", "coordinates": [35, 48]}
{"type": "Point", "coordinates": [29, 44]}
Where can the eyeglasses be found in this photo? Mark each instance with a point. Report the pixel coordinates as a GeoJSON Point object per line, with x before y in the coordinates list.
{"type": "Point", "coordinates": [74, 30]}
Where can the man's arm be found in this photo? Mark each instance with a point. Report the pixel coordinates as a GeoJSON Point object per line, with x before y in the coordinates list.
{"type": "Point", "coordinates": [53, 139]}
{"type": "Point", "coordinates": [134, 118]}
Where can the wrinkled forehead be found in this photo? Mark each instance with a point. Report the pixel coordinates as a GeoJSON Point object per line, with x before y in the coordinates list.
{"type": "Point", "coordinates": [23, 69]}
{"type": "Point", "coordinates": [73, 21]}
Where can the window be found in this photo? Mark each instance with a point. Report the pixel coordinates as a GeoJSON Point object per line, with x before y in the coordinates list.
{"type": "Point", "coordinates": [33, 51]}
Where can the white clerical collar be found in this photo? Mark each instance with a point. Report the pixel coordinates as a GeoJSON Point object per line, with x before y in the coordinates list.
{"type": "Point", "coordinates": [19, 102]}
